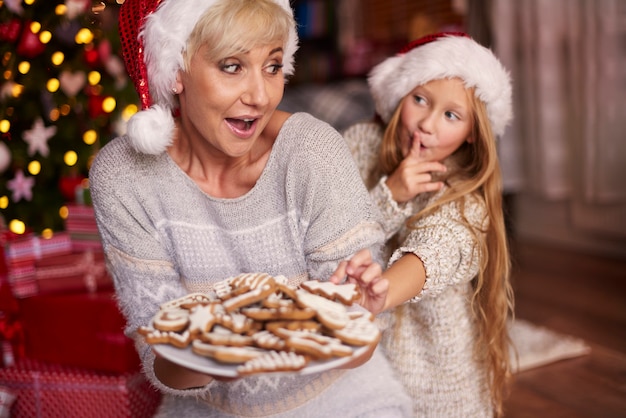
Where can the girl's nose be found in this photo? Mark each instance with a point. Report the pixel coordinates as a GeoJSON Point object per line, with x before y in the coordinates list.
{"type": "Point", "coordinates": [426, 122]}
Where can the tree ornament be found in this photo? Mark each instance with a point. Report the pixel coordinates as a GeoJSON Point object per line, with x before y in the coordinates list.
{"type": "Point", "coordinates": [68, 186]}
{"type": "Point", "coordinates": [66, 32]}
{"type": "Point", "coordinates": [92, 57]}
{"type": "Point", "coordinates": [37, 138]}
{"type": "Point", "coordinates": [6, 89]}
{"type": "Point", "coordinates": [15, 6]}
{"type": "Point", "coordinates": [104, 50]}
{"type": "Point", "coordinates": [115, 67]}
{"type": "Point", "coordinates": [29, 45]}
{"type": "Point", "coordinates": [21, 186]}
{"type": "Point", "coordinates": [95, 106]}
{"type": "Point", "coordinates": [5, 157]}
{"type": "Point", "coordinates": [10, 31]}
{"type": "Point", "coordinates": [76, 8]}
{"type": "Point", "coordinates": [72, 83]}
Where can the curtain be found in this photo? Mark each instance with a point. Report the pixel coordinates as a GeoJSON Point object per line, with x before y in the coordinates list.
{"type": "Point", "coordinates": [568, 139]}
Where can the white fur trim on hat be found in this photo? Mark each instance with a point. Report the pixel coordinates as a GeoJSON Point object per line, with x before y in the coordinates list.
{"type": "Point", "coordinates": [151, 131]}
{"type": "Point", "coordinates": [165, 36]}
{"type": "Point", "coordinates": [444, 57]}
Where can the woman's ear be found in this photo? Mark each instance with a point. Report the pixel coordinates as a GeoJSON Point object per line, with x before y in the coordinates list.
{"type": "Point", "coordinates": [470, 139]}
{"type": "Point", "coordinates": [178, 88]}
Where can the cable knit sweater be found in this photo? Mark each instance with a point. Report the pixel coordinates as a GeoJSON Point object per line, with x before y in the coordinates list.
{"type": "Point", "coordinates": [164, 237]}
{"type": "Point", "coordinates": [430, 339]}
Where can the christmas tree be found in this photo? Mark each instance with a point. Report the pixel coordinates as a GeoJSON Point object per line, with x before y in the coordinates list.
{"type": "Point", "coordinates": [64, 93]}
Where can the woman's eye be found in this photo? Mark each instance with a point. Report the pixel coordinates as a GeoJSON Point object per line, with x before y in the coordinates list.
{"type": "Point", "coordinates": [419, 99]}
{"type": "Point", "coordinates": [274, 68]}
{"type": "Point", "coordinates": [230, 68]}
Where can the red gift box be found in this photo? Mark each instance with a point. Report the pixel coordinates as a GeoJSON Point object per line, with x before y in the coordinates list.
{"type": "Point", "coordinates": [21, 277]}
{"type": "Point", "coordinates": [21, 253]}
{"type": "Point", "coordinates": [45, 390]}
{"type": "Point", "coordinates": [32, 247]}
{"type": "Point", "coordinates": [81, 271]}
{"type": "Point", "coordinates": [81, 225]}
{"type": "Point", "coordinates": [79, 329]}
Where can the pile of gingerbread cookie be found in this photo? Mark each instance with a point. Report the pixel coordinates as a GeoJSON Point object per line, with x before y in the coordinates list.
{"type": "Point", "coordinates": [261, 324]}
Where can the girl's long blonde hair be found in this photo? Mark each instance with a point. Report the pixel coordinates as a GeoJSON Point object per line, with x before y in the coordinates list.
{"type": "Point", "coordinates": [476, 171]}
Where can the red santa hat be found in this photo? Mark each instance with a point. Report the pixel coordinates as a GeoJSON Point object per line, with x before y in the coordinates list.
{"type": "Point", "coordinates": [154, 35]}
{"type": "Point", "coordinates": [439, 56]}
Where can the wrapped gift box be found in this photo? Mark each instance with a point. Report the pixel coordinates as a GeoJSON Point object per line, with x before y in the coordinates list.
{"type": "Point", "coordinates": [21, 278]}
{"type": "Point", "coordinates": [79, 329]}
{"type": "Point", "coordinates": [45, 390]}
{"type": "Point", "coordinates": [21, 253]}
{"type": "Point", "coordinates": [32, 247]}
{"type": "Point", "coordinates": [80, 271]}
{"type": "Point", "coordinates": [80, 223]}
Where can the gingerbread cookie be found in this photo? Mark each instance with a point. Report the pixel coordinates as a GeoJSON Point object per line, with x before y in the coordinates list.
{"type": "Point", "coordinates": [347, 293]}
{"type": "Point", "coordinates": [359, 331]}
{"type": "Point", "coordinates": [173, 319]}
{"type": "Point", "coordinates": [331, 314]}
{"type": "Point", "coordinates": [155, 336]}
{"type": "Point", "coordinates": [272, 362]}
{"type": "Point", "coordinates": [225, 354]}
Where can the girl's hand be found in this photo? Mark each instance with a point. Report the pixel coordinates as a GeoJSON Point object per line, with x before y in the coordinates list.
{"type": "Point", "coordinates": [365, 273]}
{"type": "Point", "coordinates": [414, 175]}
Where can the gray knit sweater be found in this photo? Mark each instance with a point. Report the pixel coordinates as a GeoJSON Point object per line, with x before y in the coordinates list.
{"type": "Point", "coordinates": [164, 237]}
{"type": "Point", "coordinates": [430, 339]}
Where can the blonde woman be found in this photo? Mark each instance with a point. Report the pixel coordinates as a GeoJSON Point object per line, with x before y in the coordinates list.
{"type": "Point", "coordinates": [211, 181]}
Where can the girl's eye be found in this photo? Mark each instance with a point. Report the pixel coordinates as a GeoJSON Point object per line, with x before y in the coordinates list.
{"type": "Point", "coordinates": [230, 68]}
{"type": "Point", "coordinates": [419, 99]}
{"type": "Point", "coordinates": [452, 116]}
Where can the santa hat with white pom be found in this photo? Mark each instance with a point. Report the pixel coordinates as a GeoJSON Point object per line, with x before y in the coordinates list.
{"type": "Point", "coordinates": [154, 35]}
{"type": "Point", "coordinates": [438, 56]}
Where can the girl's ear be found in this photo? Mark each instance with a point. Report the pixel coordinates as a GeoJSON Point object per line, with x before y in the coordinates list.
{"type": "Point", "coordinates": [470, 139]}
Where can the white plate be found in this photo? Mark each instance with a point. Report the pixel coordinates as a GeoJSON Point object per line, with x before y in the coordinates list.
{"type": "Point", "coordinates": [187, 358]}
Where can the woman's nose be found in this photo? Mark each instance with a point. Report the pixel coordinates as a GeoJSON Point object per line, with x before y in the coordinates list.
{"type": "Point", "coordinates": [255, 91]}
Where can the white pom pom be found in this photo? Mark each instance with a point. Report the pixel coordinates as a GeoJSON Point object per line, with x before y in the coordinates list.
{"type": "Point", "coordinates": [151, 131]}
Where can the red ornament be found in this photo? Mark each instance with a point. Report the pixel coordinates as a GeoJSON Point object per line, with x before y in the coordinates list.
{"type": "Point", "coordinates": [10, 31]}
{"type": "Point", "coordinates": [95, 106]}
{"type": "Point", "coordinates": [104, 50]}
{"type": "Point", "coordinates": [92, 57]}
{"type": "Point", "coordinates": [68, 186]}
{"type": "Point", "coordinates": [29, 45]}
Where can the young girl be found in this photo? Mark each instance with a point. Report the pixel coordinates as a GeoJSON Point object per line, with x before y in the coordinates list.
{"type": "Point", "coordinates": [442, 101]}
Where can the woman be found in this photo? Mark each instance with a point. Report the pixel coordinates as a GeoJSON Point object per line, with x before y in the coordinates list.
{"type": "Point", "coordinates": [211, 181]}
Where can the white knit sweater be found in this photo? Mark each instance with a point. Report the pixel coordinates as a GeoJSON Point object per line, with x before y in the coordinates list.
{"type": "Point", "coordinates": [164, 237]}
{"type": "Point", "coordinates": [430, 341]}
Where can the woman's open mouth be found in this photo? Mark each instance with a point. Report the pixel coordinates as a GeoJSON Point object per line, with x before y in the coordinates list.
{"type": "Point", "coordinates": [242, 127]}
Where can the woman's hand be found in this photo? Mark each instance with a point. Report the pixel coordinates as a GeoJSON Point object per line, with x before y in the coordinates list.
{"type": "Point", "coordinates": [179, 377]}
{"type": "Point", "coordinates": [365, 273]}
{"type": "Point", "coordinates": [414, 175]}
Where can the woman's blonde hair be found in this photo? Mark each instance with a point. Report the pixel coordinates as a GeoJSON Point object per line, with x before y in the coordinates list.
{"type": "Point", "coordinates": [237, 26]}
{"type": "Point", "coordinates": [475, 171]}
